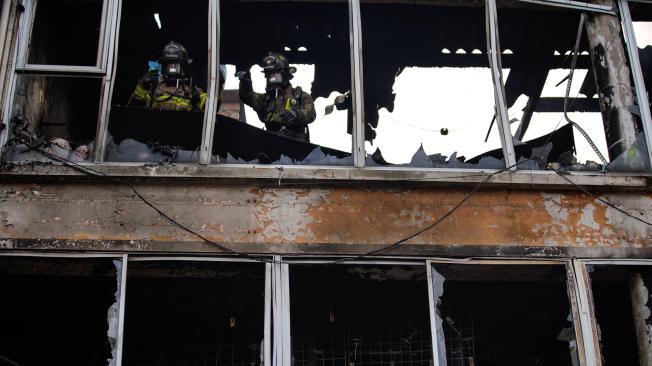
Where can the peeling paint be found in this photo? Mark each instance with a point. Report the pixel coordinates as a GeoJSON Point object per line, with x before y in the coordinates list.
{"type": "Point", "coordinates": [587, 218]}
{"type": "Point", "coordinates": [640, 206]}
{"type": "Point", "coordinates": [284, 213]}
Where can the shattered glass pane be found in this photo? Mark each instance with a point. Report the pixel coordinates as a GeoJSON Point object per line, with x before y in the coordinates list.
{"type": "Point", "coordinates": [429, 98]}
{"type": "Point", "coordinates": [159, 97]}
{"type": "Point", "coordinates": [560, 126]}
{"type": "Point", "coordinates": [54, 117]}
{"type": "Point", "coordinates": [65, 32]}
{"type": "Point", "coordinates": [295, 107]}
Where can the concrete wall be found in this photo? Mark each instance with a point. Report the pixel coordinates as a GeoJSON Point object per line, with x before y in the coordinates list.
{"type": "Point", "coordinates": [321, 218]}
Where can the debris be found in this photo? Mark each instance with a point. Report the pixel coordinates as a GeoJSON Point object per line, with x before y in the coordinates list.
{"type": "Point", "coordinates": [633, 159]}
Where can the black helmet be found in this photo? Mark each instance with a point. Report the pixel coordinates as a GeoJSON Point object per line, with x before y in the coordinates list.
{"type": "Point", "coordinates": [277, 70]}
{"type": "Point", "coordinates": [174, 60]}
{"type": "Point", "coordinates": [174, 52]}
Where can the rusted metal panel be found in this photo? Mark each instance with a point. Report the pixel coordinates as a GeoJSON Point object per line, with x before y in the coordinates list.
{"type": "Point", "coordinates": [282, 219]}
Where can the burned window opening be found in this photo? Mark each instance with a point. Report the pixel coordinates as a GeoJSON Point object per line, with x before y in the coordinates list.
{"type": "Point", "coordinates": [54, 311]}
{"type": "Point", "coordinates": [157, 108]}
{"type": "Point", "coordinates": [428, 88]}
{"type": "Point", "coordinates": [55, 114]}
{"type": "Point", "coordinates": [367, 315]}
{"type": "Point", "coordinates": [56, 40]}
{"type": "Point", "coordinates": [542, 58]}
{"type": "Point", "coordinates": [194, 313]}
{"type": "Point", "coordinates": [312, 41]}
{"type": "Point", "coordinates": [622, 307]}
{"type": "Point", "coordinates": [506, 315]}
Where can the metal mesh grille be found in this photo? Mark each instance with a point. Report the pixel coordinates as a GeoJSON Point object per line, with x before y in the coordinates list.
{"type": "Point", "coordinates": [391, 345]}
{"type": "Point", "coordinates": [223, 355]}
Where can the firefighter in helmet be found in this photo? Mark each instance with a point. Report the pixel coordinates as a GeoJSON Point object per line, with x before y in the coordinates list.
{"type": "Point", "coordinates": [285, 110]}
{"type": "Point", "coordinates": [167, 84]}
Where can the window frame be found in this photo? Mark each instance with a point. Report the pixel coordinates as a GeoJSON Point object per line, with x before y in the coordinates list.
{"type": "Point", "coordinates": [22, 66]}
{"type": "Point", "coordinates": [108, 54]}
{"type": "Point", "coordinates": [277, 304]}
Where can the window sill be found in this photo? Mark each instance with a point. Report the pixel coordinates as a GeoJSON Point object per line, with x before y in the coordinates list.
{"type": "Point", "coordinates": [280, 175]}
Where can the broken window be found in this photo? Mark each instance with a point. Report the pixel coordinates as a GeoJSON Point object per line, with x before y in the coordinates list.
{"type": "Point", "coordinates": [194, 313]}
{"type": "Point", "coordinates": [564, 127]}
{"type": "Point", "coordinates": [428, 89]}
{"type": "Point", "coordinates": [307, 121]}
{"type": "Point", "coordinates": [159, 96]}
{"type": "Point", "coordinates": [367, 315]}
{"type": "Point", "coordinates": [57, 311]}
{"type": "Point", "coordinates": [65, 32]}
{"type": "Point", "coordinates": [54, 118]}
{"type": "Point", "coordinates": [621, 304]}
{"type": "Point", "coordinates": [503, 315]}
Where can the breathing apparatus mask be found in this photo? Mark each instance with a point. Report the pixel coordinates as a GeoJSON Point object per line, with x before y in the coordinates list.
{"type": "Point", "coordinates": [174, 59]}
{"type": "Point", "coordinates": [278, 72]}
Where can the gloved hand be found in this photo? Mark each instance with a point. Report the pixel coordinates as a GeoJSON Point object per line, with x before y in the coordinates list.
{"type": "Point", "coordinates": [289, 116]}
{"type": "Point", "coordinates": [243, 75]}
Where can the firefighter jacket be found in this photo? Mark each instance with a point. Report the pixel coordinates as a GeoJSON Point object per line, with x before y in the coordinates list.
{"type": "Point", "coordinates": [181, 97]}
{"type": "Point", "coordinates": [270, 105]}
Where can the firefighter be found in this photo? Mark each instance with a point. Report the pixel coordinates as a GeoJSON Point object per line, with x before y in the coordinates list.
{"type": "Point", "coordinates": [285, 110]}
{"type": "Point", "coordinates": [167, 84]}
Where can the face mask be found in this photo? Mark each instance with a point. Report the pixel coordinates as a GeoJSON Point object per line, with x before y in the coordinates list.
{"type": "Point", "coordinates": [275, 78]}
{"type": "Point", "coordinates": [173, 70]}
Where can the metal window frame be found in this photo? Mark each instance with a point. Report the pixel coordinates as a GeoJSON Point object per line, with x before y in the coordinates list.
{"type": "Point", "coordinates": [110, 76]}
{"type": "Point", "coordinates": [495, 63]}
{"type": "Point", "coordinates": [627, 26]}
{"type": "Point", "coordinates": [578, 5]}
{"type": "Point", "coordinates": [578, 292]}
{"type": "Point", "coordinates": [122, 278]}
{"type": "Point", "coordinates": [586, 333]}
{"type": "Point", "coordinates": [210, 110]}
{"type": "Point", "coordinates": [92, 70]}
{"type": "Point", "coordinates": [357, 84]}
{"type": "Point", "coordinates": [581, 267]}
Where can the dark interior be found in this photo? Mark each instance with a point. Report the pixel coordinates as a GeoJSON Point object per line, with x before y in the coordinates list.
{"type": "Point", "coordinates": [613, 312]}
{"type": "Point", "coordinates": [194, 313]}
{"type": "Point", "coordinates": [54, 311]}
{"type": "Point", "coordinates": [66, 32]}
{"type": "Point", "coordinates": [345, 315]}
{"type": "Point", "coordinates": [502, 316]}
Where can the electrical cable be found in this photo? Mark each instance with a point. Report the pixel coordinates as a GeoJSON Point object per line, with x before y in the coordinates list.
{"type": "Point", "coordinates": [92, 172]}
{"type": "Point", "coordinates": [576, 52]}
{"type": "Point", "coordinates": [561, 174]}
{"type": "Point", "coordinates": [434, 223]}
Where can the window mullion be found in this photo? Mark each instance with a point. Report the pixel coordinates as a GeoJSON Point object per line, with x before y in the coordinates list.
{"type": "Point", "coordinates": [357, 92]}
{"type": "Point", "coordinates": [434, 332]}
{"type": "Point", "coordinates": [210, 112]}
{"type": "Point", "coordinates": [107, 86]}
{"type": "Point", "coordinates": [502, 116]}
{"type": "Point", "coordinates": [584, 323]}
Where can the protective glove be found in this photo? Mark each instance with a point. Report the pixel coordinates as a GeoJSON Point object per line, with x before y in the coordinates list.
{"type": "Point", "coordinates": [243, 75]}
{"type": "Point", "coordinates": [289, 116]}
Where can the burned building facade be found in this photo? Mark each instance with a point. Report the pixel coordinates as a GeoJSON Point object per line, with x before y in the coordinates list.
{"type": "Point", "coordinates": [474, 191]}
